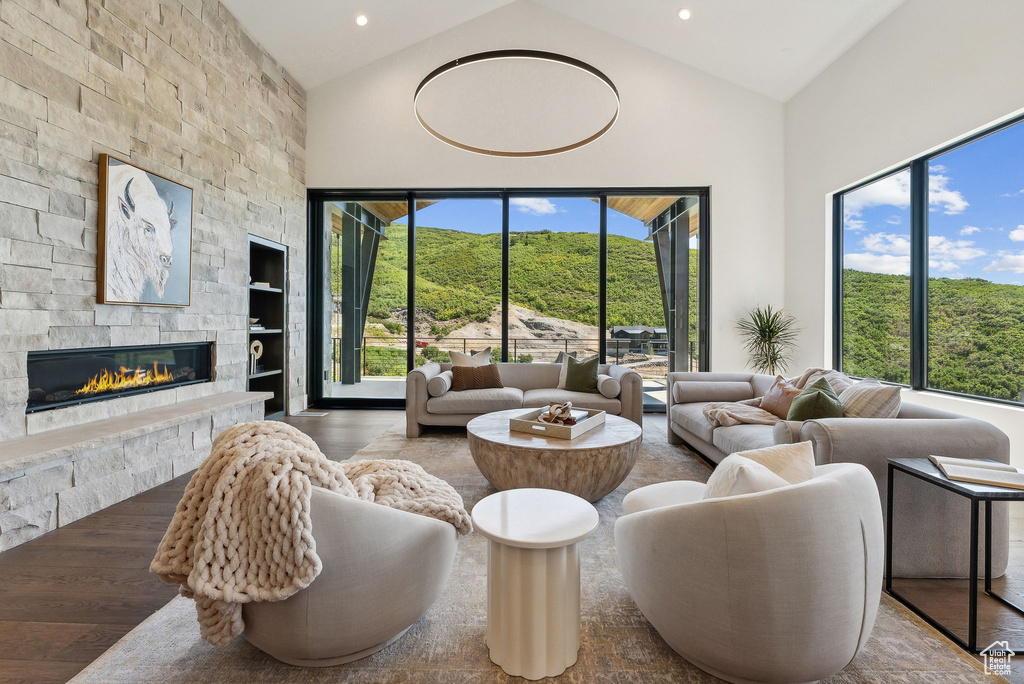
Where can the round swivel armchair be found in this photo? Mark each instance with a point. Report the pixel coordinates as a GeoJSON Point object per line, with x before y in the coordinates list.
{"type": "Point", "coordinates": [776, 586]}
{"type": "Point", "coordinates": [382, 570]}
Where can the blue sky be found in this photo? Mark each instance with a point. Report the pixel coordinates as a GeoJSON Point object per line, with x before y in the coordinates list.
{"type": "Point", "coordinates": [572, 214]}
{"type": "Point", "coordinates": [975, 217]}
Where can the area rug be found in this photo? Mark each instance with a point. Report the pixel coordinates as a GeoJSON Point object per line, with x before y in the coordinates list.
{"type": "Point", "coordinates": [447, 644]}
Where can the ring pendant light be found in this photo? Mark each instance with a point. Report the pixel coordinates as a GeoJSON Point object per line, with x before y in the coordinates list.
{"type": "Point", "coordinates": [511, 54]}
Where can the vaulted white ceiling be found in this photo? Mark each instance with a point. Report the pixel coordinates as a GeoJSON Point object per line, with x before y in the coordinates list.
{"type": "Point", "coordinates": [318, 40]}
{"type": "Point", "coordinates": [774, 47]}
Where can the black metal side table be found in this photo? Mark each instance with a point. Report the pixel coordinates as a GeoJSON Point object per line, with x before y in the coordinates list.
{"type": "Point", "coordinates": [924, 469]}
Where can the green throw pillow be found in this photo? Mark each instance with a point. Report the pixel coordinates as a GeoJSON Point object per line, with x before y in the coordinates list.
{"type": "Point", "coordinates": [581, 376]}
{"type": "Point", "coordinates": [816, 401]}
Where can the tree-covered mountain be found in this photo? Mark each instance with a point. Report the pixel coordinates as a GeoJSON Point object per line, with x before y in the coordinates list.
{"type": "Point", "coordinates": [458, 276]}
{"type": "Point", "coordinates": [975, 331]}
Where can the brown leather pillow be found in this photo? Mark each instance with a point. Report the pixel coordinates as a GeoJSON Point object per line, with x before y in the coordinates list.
{"type": "Point", "coordinates": [476, 377]}
{"type": "Point", "coordinates": [779, 397]}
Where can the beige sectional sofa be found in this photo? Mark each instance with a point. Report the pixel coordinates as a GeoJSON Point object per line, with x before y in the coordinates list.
{"type": "Point", "coordinates": [526, 385]}
{"type": "Point", "coordinates": [931, 529]}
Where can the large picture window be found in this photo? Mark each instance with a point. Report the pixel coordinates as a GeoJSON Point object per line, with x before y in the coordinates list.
{"type": "Point", "coordinates": [931, 284]}
{"type": "Point", "coordinates": [876, 279]}
{"type": "Point", "coordinates": [400, 279]}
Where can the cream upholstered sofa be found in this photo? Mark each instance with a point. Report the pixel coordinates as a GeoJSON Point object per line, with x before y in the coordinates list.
{"type": "Point", "coordinates": [931, 531]}
{"type": "Point", "coordinates": [382, 569]}
{"type": "Point", "coordinates": [526, 385]}
{"type": "Point", "coordinates": [777, 586]}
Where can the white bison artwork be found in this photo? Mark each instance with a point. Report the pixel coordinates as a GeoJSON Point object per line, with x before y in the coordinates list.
{"type": "Point", "coordinates": [139, 249]}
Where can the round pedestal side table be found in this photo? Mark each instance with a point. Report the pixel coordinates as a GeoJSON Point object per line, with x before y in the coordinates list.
{"type": "Point", "coordinates": [533, 578]}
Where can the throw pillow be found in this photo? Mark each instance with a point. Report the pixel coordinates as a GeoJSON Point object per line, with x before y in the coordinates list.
{"type": "Point", "coordinates": [737, 475]}
{"type": "Point", "coordinates": [439, 384]}
{"type": "Point", "coordinates": [779, 397]}
{"type": "Point", "coordinates": [475, 377]}
{"type": "Point", "coordinates": [608, 386]}
{"type": "Point", "coordinates": [481, 358]}
{"type": "Point", "coordinates": [563, 359]}
{"type": "Point", "coordinates": [871, 399]}
{"type": "Point", "coordinates": [838, 380]}
{"type": "Point", "coordinates": [818, 400]}
{"type": "Point", "coordinates": [581, 376]}
{"type": "Point", "coordinates": [794, 463]}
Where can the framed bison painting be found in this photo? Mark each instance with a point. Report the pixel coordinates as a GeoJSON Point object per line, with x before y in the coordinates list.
{"type": "Point", "coordinates": [145, 237]}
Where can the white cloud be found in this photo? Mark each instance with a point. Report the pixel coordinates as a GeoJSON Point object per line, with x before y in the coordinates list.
{"type": "Point", "coordinates": [939, 193]}
{"type": "Point", "coordinates": [969, 230]}
{"type": "Point", "coordinates": [878, 263]}
{"type": "Point", "coordinates": [535, 206]}
{"type": "Point", "coordinates": [950, 267]}
{"type": "Point", "coordinates": [942, 247]}
{"type": "Point", "coordinates": [1017, 234]}
{"type": "Point", "coordinates": [891, 191]}
{"type": "Point", "coordinates": [894, 220]}
{"type": "Point", "coordinates": [890, 253]}
{"type": "Point", "coordinates": [894, 191]}
{"type": "Point", "coordinates": [1008, 262]}
{"type": "Point", "coordinates": [887, 243]}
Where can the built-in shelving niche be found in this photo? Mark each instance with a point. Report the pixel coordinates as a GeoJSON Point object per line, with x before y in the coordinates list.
{"type": "Point", "coordinates": [268, 268]}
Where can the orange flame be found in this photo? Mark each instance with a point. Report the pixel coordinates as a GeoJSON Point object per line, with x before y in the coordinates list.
{"type": "Point", "coordinates": [125, 378]}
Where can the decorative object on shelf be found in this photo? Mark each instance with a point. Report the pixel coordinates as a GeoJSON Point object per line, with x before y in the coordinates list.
{"type": "Point", "coordinates": [261, 283]}
{"type": "Point", "coordinates": [505, 100]}
{"type": "Point", "coordinates": [255, 352]}
{"type": "Point", "coordinates": [253, 321]}
{"type": "Point", "coordinates": [145, 237]}
{"type": "Point", "coordinates": [769, 336]}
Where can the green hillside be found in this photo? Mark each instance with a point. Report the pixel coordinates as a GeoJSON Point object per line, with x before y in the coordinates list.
{"type": "Point", "coordinates": [976, 333]}
{"type": "Point", "coordinates": [458, 276]}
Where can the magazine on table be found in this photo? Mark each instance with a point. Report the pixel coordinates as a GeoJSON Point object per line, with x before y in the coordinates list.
{"type": "Point", "coordinates": [979, 472]}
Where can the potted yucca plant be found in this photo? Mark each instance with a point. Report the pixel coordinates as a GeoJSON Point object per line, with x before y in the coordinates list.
{"type": "Point", "coordinates": [769, 336]}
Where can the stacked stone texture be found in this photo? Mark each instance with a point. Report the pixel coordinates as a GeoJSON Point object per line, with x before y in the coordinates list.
{"type": "Point", "coordinates": [177, 88]}
{"type": "Point", "coordinates": [60, 492]}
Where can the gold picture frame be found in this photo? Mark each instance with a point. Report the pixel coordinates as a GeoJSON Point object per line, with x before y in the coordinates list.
{"type": "Point", "coordinates": [144, 245]}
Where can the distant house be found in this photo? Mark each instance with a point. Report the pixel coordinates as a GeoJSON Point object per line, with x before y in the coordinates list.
{"type": "Point", "coordinates": [641, 336]}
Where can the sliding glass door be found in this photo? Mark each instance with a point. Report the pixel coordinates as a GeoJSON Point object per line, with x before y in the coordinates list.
{"type": "Point", "coordinates": [401, 279]}
{"type": "Point", "coordinates": [653, 287]}
{"type": "Point", "coordinates": [458, 278]}
{"type": "Point", "coordinates": [553, 296]}
{"type": "Point", "coordinates": [365, 309]}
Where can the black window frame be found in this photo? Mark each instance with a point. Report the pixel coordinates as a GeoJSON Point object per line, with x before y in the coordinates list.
{"type": "Point", "coordinates": [918, 168]}
{"type": "Point", "coordinates": [316, 197]}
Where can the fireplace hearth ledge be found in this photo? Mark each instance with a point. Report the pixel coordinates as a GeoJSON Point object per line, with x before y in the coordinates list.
{"type": "Point", "coordinates": [51, 479]}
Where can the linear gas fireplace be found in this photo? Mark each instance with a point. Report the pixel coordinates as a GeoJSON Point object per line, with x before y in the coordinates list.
{"type": "Point", "coordinates": [75, 376]}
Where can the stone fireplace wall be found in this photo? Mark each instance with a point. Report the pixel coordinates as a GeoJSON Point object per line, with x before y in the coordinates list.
{"type": "Point", "coordinates": [179, 89]}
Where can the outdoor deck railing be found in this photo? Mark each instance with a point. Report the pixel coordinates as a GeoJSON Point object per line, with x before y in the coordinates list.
{"type": "Point", "coordinates": [387, 356]}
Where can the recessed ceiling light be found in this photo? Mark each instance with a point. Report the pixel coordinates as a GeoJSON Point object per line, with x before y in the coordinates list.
{"type": "Point", "coordinates": [361, 20]}
{"type": "Point", "coordinates": [684, 14]}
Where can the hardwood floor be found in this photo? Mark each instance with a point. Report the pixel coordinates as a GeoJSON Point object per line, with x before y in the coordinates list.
{"type": "Point", "coordinates": [69, 595]}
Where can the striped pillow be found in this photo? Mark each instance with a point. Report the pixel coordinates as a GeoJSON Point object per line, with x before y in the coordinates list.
{"type": "Point", "coordinates": [871, 399]}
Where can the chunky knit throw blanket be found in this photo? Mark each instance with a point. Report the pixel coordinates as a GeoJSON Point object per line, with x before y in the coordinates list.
{"type": "Point", "coordinates": [242, 531]}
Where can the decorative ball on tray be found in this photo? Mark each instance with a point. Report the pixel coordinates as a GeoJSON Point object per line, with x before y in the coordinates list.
{"type": "Point", "coordinates": [558, 414]}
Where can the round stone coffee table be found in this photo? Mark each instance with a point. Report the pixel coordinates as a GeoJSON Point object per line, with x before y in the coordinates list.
{"type": "Point", "coordinates": [533, 578]}
{"type": "Point", "coordinates": [589, 466]}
